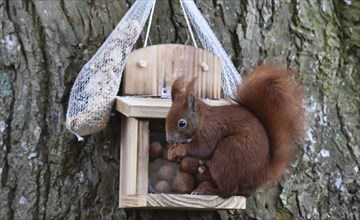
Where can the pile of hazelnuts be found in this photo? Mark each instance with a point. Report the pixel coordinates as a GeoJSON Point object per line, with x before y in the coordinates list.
{"type": "Point", "coordinates": [172, 177]}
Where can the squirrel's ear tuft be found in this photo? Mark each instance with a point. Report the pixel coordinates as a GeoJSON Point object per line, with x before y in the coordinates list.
{"type": "Point", "coordinates": [177, 88]}
{"type": "Point", "coordinates": [189, 93]}
{"type": "Point", "coordinates": [191, 102]}
{"type": "Point", "coordinates": [190, 87]}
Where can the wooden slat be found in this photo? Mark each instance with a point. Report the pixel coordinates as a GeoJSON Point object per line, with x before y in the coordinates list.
{"type": "Point", "coordinates": [143, 107]}
{"type": "Point", "coordinates": [152, 107]}
{"type": "Point", "coordinates": [142, 179]}
{"type": "Point", "coordinates": [171, 61]}
{"type": "Point", "coordinates": [128, 157]}
{"type": "Point", "coordinates": [183, 201]}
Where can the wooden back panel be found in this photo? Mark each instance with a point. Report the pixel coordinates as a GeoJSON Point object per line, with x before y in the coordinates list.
{"type": "Point", "coordinates": [148, 67]}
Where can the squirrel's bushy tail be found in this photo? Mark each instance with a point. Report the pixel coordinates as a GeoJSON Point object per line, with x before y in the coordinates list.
{"type": "Point", "coordinates": [271, 95]}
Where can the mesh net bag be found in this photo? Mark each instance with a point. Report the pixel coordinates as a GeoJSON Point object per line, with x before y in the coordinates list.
{"type": "Point", "coordinates": [95, 88]}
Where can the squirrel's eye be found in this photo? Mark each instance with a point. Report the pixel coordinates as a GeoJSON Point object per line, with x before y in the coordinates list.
{"type": "Point", "coordinates": [182, 123]}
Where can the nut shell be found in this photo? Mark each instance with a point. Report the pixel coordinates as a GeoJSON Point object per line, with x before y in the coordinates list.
{"type": "Point", "coordinates": [155, 150]}
{"type": "Point", "coordinates": [183, 183]}
{"type": "Point", "coordinates": [162, 186]}
{"type": "Point", "coordinates": [167, 172]}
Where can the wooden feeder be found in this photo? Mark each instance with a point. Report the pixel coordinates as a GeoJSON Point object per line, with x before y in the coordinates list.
{"type": "Point", "coordinates": [149, 72]}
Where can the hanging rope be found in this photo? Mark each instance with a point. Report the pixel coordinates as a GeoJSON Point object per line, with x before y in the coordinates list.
{"type": "Point", "coordinates": [150, 21]}
{"type": "Point", "coordinates": [188, 24]}
{"type": "Point", "coordinates": [230, 75]}
{"type": "Point", "coordinates": [186, 19]}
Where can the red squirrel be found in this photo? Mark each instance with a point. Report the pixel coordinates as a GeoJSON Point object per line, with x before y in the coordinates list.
{"type": "Point", "coordinates": [247, 145]}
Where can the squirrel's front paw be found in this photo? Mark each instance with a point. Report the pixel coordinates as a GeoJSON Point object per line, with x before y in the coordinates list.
{"type": "Point", "coordinates": [176, 152]}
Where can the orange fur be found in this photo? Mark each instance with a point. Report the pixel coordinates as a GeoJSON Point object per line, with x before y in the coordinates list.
{"type": "Point", "coordinates": [246, 145]}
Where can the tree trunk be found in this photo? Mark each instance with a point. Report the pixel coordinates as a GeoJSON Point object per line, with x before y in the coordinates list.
{"type": "Point", "coordinates": [46, 173]}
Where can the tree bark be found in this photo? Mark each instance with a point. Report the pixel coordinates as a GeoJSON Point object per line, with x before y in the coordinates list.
{"type": "Point", "coordinates": [45, 173]}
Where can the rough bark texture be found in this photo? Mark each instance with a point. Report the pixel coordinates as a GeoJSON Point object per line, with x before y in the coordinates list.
{"type": "Point", "coordinates": [46, 174]}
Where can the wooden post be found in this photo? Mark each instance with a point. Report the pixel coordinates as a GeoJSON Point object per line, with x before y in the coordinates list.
{"type": "Point", "coordinates": [143, 157]}
{"type": "Point", "coordinates": [128, 156]}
